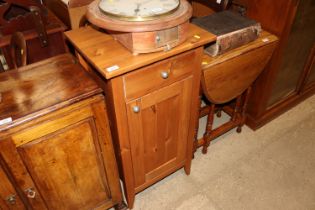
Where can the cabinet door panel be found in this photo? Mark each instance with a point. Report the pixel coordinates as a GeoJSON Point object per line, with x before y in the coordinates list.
{"type": "Point", "coordinates": [7, 191]}
{"type": "Point", "coordinates": [65, 167]}
{"type": "Point", "coordinates": [295, 55]}
{"type": "Point", "coordinates": [20, 178]}
{"type": "Point", "coordinates": [158, 132]}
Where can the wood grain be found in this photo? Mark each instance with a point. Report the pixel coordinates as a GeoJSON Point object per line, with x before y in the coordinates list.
{"type": "Point", "coordinates": [42, 87]}
{"type": "Point", "coordinates": [158, 140]}
{"type": "Point", "coordinates": [67, 155]}
{"type": "Point", "coordinates": [178, 66]}
{"type": "Point", "coordinates": [102, 52]}
{"type": "Point", "coordinates": [228, 76]}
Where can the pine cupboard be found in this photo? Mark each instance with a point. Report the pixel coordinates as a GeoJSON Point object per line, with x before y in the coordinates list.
{"type": "Point", "coordinates": [57, 151]}
{"type": "Point", "coordinates": [152, 101]}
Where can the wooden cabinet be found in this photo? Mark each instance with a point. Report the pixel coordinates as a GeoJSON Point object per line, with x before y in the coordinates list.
{"type": "Point", "coordinates": [289, 77]}
{"type": "Point", "coordinates": [59, 156]}
{"type": "Point", "coordinates": [152, 101]}
{"type": "Point", "coordinates": [155, 132]}
{"type": "Point", "coordinates": [158, 127]}
{"type": "Point", "coordinates": [65, 157]}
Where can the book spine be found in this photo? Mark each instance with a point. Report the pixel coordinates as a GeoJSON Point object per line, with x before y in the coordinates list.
{"type": "Point", "coordinates": [233, 40]}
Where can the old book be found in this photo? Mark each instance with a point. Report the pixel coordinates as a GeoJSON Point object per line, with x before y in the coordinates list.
{"type": "Point", "coordinates": [232, 30]}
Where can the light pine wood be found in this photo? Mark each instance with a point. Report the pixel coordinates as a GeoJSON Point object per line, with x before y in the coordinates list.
{"type": "Point", "coordinates": [159, 132]}
{"type": "Point", "coordinates": [101, 51]}
{"type": "Point", "coordinates": [157, 140]}
{"type": "Point", "coordinates": [177, 67]}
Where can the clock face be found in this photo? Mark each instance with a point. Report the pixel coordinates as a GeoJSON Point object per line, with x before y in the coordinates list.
{"type": "Point", "coordinates": [138, 10]}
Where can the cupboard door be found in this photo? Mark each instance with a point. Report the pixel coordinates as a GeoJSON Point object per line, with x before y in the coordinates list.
{"type": "Point", "coordinates": [16, 172]}
{"type": "Point", "coordinates": [9, 198]}
{"type": "Point", "coordinates": [64, 156]}
{"type": "Point", "coordinates": [296, 51]}
{"type": "Point", "coordinates": [158, 129]}
{"type": "Point", "coordinates": [66, 168]}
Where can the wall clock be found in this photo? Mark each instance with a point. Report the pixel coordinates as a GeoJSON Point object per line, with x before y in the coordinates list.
{"type": "Point", "coordinates": [143, 26]}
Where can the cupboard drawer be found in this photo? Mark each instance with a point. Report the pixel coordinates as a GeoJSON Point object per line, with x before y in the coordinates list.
{"type": "Point", "coordinates": [157, 75]}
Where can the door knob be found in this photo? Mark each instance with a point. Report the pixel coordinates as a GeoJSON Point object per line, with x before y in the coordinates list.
{"type": "Point", "coordinates": [136, 109]}
{"type": "Point", "coordinates": [164, 74]}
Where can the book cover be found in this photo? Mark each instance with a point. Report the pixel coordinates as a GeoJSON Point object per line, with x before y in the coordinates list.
{"type": "Point", "coordinates": [232, 30]}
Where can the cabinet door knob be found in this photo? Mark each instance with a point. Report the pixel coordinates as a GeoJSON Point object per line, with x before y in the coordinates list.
{"type": "Point", "coordinates": [30, 192]}
{"type": "Point", "coordinates": [136, 109]}
{"type": "Point", "coordinates": [164, 74]}
{"type": "Point", "coordinates": [11, 199]}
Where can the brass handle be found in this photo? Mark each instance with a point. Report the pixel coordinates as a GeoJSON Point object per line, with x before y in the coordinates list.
{"type": "Point", "coordinates": [164, 74]}
{"type": "Point", "coordinates": [11, 199]}
{"type": "Point", "coordinates": [30, 192]}
{"type": "Point", "coordinates": [136, 109]}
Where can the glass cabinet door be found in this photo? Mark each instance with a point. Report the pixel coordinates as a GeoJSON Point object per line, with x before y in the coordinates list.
{"type": "Point", "coordinates": [296, 52]}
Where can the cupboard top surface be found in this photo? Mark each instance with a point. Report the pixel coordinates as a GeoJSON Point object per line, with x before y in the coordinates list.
{"type": "Point", "coordinates": [111, 59]}
{"type": "Point", "coordinates": [41, 88]}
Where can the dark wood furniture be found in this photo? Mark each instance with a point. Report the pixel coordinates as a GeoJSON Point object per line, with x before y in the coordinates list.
{"type": "Point", "coordinates": [290, 76]}
{"type": "Point", "coordinates": [70, 12]}
{"type": "Point", "coordinates": [55, 144]}
{"type": "Point", "coordinates": [206, 7]}
{"type": "Point", "coordinates": [42, 31]}
{"type": "Point", "coordinates": [152, 100]}
{"type": "Point", "coordinates": [18, 50]}
{"type": "Point", "coordinates": [229, 77]}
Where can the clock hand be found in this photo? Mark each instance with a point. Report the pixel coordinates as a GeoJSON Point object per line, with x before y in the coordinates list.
{"type": "Point", "coordinates": [137, 10]}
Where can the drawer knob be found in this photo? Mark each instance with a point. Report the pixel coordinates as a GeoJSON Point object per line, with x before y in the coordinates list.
{"type": "Point", "coordinates": [164, 74]}
{"type": "Point", "coordinates": [11, 199]}
{"type": "Point", "coordinates": [136, 109]}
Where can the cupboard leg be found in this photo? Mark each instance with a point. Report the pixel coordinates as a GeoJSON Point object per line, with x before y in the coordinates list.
{"type": "Point", "coordinates": [130, 199]}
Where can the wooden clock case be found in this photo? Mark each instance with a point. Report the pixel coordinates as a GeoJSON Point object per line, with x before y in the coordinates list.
{"type": "Point", "coordinates": [145, 36]}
